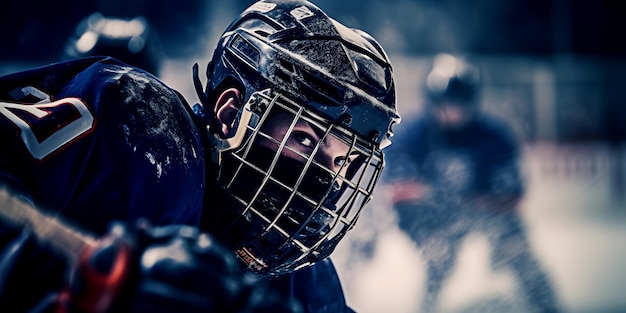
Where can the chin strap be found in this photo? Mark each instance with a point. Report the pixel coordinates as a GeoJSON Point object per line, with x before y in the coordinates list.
{"type": "Point", "coordinates": [204, 100]}
{"type": "Point", "coordinates": [244, 116]}
{"type": "Point", "coordinates": [200, 110]}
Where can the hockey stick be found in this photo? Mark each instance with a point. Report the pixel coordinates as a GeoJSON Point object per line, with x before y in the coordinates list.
{"type": "Point", "coordinates": [98, 288]}
{"type": "Point", "coordinates": [51, 230]}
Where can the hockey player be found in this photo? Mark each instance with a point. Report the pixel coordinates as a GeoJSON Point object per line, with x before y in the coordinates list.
{"type": "Point", "coordinates": [273, 166]}
{"type": "Point", "coordinates": [456, 171]}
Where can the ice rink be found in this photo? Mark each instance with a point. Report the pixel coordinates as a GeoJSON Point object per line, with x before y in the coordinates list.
{"type": "Point", "coordinates": [576, 224]}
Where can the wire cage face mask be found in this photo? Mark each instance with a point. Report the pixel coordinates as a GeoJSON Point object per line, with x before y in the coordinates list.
{"type": "Point", "coordinates": [299, 184]}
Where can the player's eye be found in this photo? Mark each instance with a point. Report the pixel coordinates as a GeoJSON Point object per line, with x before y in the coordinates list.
{"type": "Point", "coordinates": [304, 139]}
{"type": "Point", "coordinates": [340, 161]}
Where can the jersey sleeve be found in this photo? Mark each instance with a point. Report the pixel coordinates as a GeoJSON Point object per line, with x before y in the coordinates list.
{"type": "Point", "coordinates": [98, 140]}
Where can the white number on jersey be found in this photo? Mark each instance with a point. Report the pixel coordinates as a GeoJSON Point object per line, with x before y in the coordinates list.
{"type": "Point", "coordinates": [46, 127]}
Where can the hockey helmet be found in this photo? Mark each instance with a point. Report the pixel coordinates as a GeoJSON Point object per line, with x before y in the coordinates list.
{"type": "Point", "coordinates": [297, 65]}
{"type": "Point", "coordinates": [452, 79]}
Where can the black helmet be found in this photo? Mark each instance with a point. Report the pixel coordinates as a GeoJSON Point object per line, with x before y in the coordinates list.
{"type": "Point", "coordinates": [452, 78]}
{"type": "Point", "coordinates": [291, 59]}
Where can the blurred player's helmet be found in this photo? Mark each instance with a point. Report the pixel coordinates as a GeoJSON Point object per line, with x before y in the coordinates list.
{"type": "Point", "coordinates": [297, 63]}
{"type": "Point", "coordinates": [130, 40]}
{"type": "Point", "coordinates": [452, 79]}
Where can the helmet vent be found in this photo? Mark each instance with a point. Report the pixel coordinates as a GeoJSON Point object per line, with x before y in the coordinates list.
{"type": "Point", "coordinates": [285, 71]}
{"type": "Point", "coordinates": [281, 74]}
{"type": "Point", "coordinates": [318, 90]}
{"type": "Point", "coordinates": [246, 49]}
{"type": "Point", "coordinates": [286, 65]}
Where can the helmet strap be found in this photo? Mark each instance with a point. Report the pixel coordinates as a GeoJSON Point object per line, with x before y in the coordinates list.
{"type": "Point", "coordinates": [204, 100]}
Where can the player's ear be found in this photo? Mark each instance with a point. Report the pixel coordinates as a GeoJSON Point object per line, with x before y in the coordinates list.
{"type": "Point", "coordinates": [226, 107]}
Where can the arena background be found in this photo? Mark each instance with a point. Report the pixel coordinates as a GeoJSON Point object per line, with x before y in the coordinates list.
{"type": "Point", "coordinates": [554, 70]}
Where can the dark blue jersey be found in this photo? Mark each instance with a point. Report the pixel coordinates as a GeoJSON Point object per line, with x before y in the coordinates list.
{"type": "Point", "coordinates": [97, 140]}
{"type": "Point", "coordinates": [478, 159]}
{"type": "Point", "coordinates": [317, 288]}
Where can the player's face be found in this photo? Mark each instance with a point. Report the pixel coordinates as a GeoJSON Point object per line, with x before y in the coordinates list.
{"type": "Point", "coordinates": [304, 137]}
{"type": "Point", "coordinates": [297, 184]}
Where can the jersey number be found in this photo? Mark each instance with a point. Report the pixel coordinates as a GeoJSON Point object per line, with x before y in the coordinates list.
{"type": "Point", "coordinates": [46, 127]}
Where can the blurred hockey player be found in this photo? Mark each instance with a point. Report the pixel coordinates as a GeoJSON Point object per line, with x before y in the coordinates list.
{"type": "Point", "coordinates": [454, 170]}
{"type": "Point", "coordinates": [230, 205]}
